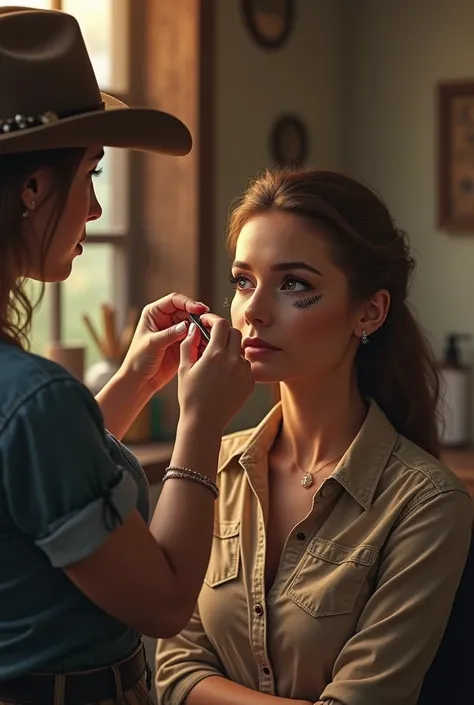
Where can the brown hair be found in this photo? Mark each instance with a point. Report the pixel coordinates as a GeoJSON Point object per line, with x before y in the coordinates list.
{"type": "Point", "coordinates": [397, 368]}
{"type": "Point", "coordinates": [16, 309]}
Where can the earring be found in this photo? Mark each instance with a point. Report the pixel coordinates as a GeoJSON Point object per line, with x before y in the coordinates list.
{"type": "Point", "coordinates": [365, 338]}
{"type": "Point", "coordinates": [26, 212]}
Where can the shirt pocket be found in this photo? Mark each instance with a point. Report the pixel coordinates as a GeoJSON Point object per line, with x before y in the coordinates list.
{"type": "Point", "coordinates": [330, 577]}
{"type": "Point", "coordinates": [225, 554]}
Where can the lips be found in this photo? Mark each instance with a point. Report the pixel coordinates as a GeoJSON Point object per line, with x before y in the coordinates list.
{"type": "Point", "coordinates": [257, 344]}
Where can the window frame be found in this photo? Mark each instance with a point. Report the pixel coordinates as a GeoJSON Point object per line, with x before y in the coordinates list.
{"type": "Point", "coordinates": [147, 264]}
{"type": "Point", "coordinates": [120, 240]}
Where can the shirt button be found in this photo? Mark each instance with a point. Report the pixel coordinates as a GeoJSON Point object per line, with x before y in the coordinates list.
{"type": "Point", "coordinates": [300, 536]}
{"type": "Point", "coordinates": [266, 670]}
{"type": "Point", "coordinates": [258, 610]}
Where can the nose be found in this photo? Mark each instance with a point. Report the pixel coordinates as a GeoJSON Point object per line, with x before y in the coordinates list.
{"type": "Point", "coordinates": [258, 309]}
{"type": "Point", "coordinates": [95, 209]}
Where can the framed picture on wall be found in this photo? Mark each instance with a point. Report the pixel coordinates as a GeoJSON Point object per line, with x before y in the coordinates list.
{"type": "Point", "coordinates": [456, 156]}
{"type": "Point", "coordinates": [269, 21]}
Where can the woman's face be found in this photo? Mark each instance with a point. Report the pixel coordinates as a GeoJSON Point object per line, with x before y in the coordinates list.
{"type": "Point", "coordinates": [81, 207]}
{"type": "Point", "coordinates": [292, 297]}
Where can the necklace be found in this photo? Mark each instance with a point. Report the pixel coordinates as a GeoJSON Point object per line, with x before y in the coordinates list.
{"type": "Point", "coordinates": [308, 477]}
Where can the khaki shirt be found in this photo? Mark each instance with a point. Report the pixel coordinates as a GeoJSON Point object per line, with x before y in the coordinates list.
{"type": "Point", "coordinates": [364, 586]}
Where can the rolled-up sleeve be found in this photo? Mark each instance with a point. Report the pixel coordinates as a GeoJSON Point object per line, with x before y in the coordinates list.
{"type": "Point", "coordinates": [61, 486]}
{"type": "Point", "coordinates": [402, 625]}
{"type": "Point", "coordinates": [183, 661]}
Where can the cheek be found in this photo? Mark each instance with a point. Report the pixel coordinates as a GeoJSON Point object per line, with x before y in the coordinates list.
{"type": "Point", "coordinates": [39, 237]}
{"type": "Point", "coordinates": [321, 325]}
{"type": "Point", "coordinates": [237, 313]}
{"type": "Point", "coordinates": [77, 204]}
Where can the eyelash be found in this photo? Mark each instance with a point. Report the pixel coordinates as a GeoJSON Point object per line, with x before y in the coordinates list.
{"type": "Point", "coordinates": [299, 303]}
{"type": "Point", "coordinates": [234, 280]}
{"type": "Point", "coordinates": [97, 172]}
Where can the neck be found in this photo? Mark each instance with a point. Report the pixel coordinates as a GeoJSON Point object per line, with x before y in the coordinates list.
{"type": "Point", "coordinates": [320, 421]}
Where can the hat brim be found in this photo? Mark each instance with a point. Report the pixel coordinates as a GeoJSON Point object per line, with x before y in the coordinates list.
{"type": "Point", "coordinates": [141, 129]}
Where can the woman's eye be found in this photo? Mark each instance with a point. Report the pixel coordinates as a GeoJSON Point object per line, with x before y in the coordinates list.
{"type": "Point", "coordinates": [295, 285]}
{"type": "Point", "coordinates": [239, 282]}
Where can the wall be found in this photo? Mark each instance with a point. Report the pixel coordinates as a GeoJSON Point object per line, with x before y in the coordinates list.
{"type": "Point", "coordinates": [252, 87]}
{"type": "Point", "coordinates": [398, 51]}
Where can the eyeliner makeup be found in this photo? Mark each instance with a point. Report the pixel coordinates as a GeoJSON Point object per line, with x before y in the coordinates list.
{"type": "Point", "coordinates": [306, 303]}
{"type": "Point", "coordinates": [195, 319]}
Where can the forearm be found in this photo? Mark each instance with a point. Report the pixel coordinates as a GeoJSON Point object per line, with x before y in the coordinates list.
{"type": "Point", "coordinates": [120, 401]}
{"type": "Point", "coordinates": [221, 691]}
{"type": "Point", "coordinates": [183, 520]}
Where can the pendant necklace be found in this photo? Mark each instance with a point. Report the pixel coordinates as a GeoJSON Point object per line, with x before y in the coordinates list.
{"type": "Point", "coordinates": [308, 477]}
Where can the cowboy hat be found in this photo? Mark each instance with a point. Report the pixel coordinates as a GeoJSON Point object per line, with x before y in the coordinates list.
{"type": "Point", "coordinates": [49, 97]}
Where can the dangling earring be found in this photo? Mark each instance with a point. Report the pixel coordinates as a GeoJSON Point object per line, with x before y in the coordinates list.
{"type": "Point", "coordinates": [26, 212]}
{"type": "Point", "coordinates": [365, 338]}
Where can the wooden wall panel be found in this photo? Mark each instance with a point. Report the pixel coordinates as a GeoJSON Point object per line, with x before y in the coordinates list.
{"type": "Point", "coordinates": [177, 192]}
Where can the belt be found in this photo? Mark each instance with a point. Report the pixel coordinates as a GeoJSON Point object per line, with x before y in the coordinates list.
{"type": "Point", "coordinates": [81, 687]}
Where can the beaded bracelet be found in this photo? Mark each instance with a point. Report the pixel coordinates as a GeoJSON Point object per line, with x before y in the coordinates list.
{"type": "Point", "coordinates": [178, 473]}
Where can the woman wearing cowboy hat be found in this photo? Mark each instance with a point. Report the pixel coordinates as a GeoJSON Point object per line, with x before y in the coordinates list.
{"type": "Point", "coordinates": [81, 575]}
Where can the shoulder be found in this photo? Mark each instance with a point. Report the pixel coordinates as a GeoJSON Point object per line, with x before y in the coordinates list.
{"type": "Point", "coordinates": [33, 385]}
{"type": "Point", "coordinates": [430, 474]}
{"type": "Point", "coordinates": [395, 466]}
{"type": "Point", "coordinates": [417, 481]}
{"type": "Point", "coordinates": [13, 358]}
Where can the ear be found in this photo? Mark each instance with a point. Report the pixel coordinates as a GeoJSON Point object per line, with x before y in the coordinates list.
{"type": "Point", "coordinates": [373, 314]}
{"type": "Point", "coordinates": [35, 189]}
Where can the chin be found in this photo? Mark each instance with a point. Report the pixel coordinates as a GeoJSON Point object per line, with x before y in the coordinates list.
{"type": "Point", "coordinates": [263, 374]}
{"type": "Point", "coordinates": [268, 374]}
{"type": "Point", "coordinates": [51, 277]}
{"type": "Point", "coordinates": [59, 274]}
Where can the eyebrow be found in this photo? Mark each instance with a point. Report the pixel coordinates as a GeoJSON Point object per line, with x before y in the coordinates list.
{"type": "Point", "coordinates": [281, 267]}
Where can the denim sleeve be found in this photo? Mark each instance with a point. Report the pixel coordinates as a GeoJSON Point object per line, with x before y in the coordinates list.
{"type": "Point", "coordinates": [61, 486]}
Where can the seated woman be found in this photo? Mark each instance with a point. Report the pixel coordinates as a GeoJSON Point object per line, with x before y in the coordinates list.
{"type": "Point", "coordinates": [339, 537]}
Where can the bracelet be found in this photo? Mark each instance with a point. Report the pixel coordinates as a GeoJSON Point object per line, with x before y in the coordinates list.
{"type": "Point", "coordinates": [174, 472]}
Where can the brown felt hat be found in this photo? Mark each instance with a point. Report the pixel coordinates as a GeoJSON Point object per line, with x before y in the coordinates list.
{"type": "Point", "coordinates": [49, 97]}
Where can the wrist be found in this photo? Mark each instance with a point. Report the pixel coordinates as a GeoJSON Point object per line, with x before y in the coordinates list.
{"type": "Point", "coordinates": [132, 387]}
{"type": "Point", "coordinates": [197, 446]}
{"type": "Point", "coordinates": [124, 394]}
{"type": "Point", "coordinates": [192, 423]}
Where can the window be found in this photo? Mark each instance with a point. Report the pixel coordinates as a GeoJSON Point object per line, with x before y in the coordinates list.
{"type": "Point", "coordinates": [98, 274]}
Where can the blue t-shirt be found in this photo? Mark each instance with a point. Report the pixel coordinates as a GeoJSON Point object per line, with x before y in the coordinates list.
{"type": "Point", "coordinates": [65, 485]}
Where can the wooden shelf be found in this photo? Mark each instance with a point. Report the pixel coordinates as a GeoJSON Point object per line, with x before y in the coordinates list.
{"type": "Point", "coordinates": [155, 457]}
{"type": "Point", "coordinates": [459, 458]}
{"type": "Point", "coordinates": [461, 461]}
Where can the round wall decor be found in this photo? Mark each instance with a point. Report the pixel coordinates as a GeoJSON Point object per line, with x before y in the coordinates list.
{"type": "Point", "coordinates": [269, 21]}
{"type": "Point", "coordinates": [289, 141]}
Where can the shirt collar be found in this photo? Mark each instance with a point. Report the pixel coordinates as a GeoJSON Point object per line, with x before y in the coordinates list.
{"type": "Point", "coordinates": [362, 465]}
{"type": "Point", "coordinates": [359, 470]}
